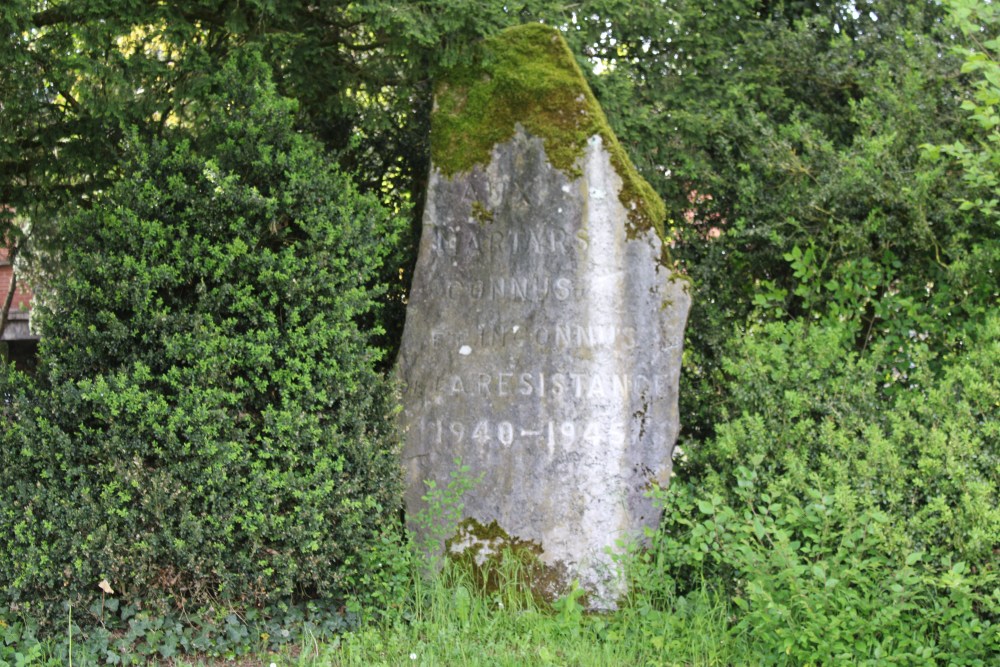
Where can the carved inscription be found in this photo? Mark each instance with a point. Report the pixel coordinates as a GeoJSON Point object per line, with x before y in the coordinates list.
{"type": "Point", "coordinates": [559, 336]}
{"type": "Point", "coordinates": [476, 238]}
{"type": "Point", "coordinates": [507, 288]}
{"type": "Point", "coordinates": [518, 345]}
{"type": "Point", "coordinates": [506, 433]}
{"type": "Point", "coordinates": [502, 384]}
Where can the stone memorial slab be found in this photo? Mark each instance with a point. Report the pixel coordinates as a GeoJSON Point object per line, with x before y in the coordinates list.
{"type": "Point", "coordinates": [543, 334]}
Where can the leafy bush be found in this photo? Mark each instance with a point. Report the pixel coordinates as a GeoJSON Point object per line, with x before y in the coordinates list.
{"type": "Point", "coordinates": [812, 583]}
{"type": "Point", "coordinates": [207, 425]}
{"type": "Point", "coordinates": [850, 511]}
{"type": "Point", "coordinates": [917, 444]}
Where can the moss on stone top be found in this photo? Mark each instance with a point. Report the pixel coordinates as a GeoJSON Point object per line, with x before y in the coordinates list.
{"type": "Point", "coordinates": [528, 75]}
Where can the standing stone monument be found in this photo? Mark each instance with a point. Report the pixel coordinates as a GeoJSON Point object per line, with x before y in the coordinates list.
{"type": "Point", "coordinates": [543, 334]}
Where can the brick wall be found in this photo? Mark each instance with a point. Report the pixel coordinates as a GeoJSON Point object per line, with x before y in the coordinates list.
{"type": "Point", "coordinates": [22, 296]}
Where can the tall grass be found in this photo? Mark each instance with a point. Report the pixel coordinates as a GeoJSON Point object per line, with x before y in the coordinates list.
{"type": "Point", "coordinates": [450, 619]}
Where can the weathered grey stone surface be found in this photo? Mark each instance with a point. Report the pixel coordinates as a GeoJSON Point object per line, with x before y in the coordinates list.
{"type": "Point", "coordinates": [542, 346]}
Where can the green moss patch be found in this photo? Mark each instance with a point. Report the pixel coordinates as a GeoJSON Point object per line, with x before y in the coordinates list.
{"type": "Point", "coordinates": [497, 560]}
{"type": "Point", "coordinates": [528, 75]}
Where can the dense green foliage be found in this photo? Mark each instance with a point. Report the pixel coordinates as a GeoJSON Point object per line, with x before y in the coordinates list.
{"type": "Point", "coordinates": [844, 523]}
{"type": "Point", "coordinates": [979, 158]}
{"type": "Point", "coordinates": [207, 423]}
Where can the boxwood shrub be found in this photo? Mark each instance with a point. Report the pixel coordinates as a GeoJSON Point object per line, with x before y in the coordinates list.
{"type": "Point", "coordinates": [208, 424]}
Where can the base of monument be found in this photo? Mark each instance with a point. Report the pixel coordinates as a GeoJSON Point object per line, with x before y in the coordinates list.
{"type": "Point", "coordinates": [498, 561]}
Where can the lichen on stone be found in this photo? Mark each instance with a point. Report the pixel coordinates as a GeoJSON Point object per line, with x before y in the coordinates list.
{"type": "Point", "coordinates": [480, 213]}
{"type": "Point", "coordinates": [527, 75]}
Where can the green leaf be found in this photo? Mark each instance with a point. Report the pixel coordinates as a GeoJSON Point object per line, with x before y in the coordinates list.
{"type": "Point", "coordinates": [758, 529]}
